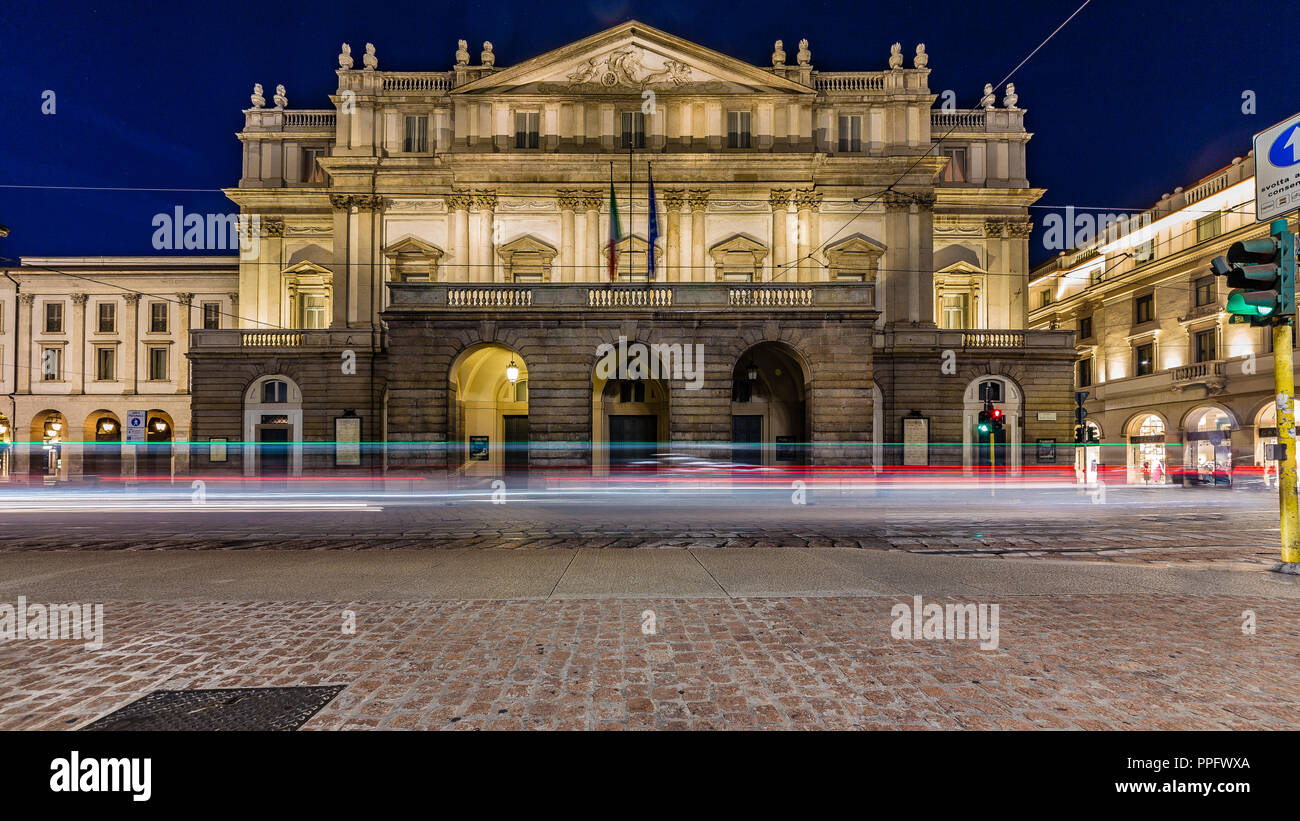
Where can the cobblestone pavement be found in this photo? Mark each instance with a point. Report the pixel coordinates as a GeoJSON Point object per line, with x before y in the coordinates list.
{"type": "Point", "coordinates": [1205, 527]}
{"type": "Point", "coordinates": [1093, 662]}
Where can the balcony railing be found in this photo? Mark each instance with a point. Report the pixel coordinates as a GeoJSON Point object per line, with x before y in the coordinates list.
{"type": "Point", "coordinates": [944, 120]}
{"type": "Point", "coordinates": [417, 81]}
{"type": "Point", "coordinates": [992, 339]}
{"type": "Point", "coordinates": [309, 119]}
{"type": "Point", "coordinates": [849, 81]}
{"type": "Point", "coordinates": [1199, 372]}
{"type": "Point", "coordinates": [620, 296]}
{"type": "Point", "coordinates": [284, 338]}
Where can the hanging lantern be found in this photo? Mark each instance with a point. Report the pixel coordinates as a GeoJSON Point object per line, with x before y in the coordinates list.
{"type": "Point", "coordinates": [512, 371]}
{"type": "Point", "coordinates": [752, 372]}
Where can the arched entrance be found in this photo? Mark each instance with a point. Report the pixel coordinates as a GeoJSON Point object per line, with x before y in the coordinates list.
{"type": "Point", "coordinates": [101, 453]}
{"type": "Point", "coordinates": [1005, 396]}
{"type": "Point", "coordinates": [629, 407]}
{"type": "Point", "coordinates": [489, 411]}
{"type": "Point", "coordinates": [1146, 450]}
{"type": "Point", "coordinates": [50, 429]}
{"type": "Point", "coordinates": [273, 421]}
{"type": "Point", "coordinates": [769, 413]}
{"type": "Point", "coordinates": [1265, 441]}
{"type": "Point", "coordinates": [1207, 449]}
{"type": "Point", "coordinates": [154, 458]}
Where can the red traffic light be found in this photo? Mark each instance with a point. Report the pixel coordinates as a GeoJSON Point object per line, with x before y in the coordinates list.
{"type": "Point", "coordinates": [997, 415]}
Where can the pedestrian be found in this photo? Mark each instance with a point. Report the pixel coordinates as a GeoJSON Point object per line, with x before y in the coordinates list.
{"type": "Point", "coordinates": [1159, 472]}
{"type": "Point", "coordinates": [1146, 473]}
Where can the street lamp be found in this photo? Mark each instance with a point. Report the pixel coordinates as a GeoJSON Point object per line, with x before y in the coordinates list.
{"type": "Point", "coordinates": [752, 371]}
{"type": "Point", "coordinates": [512, 371]}
{"type": "Point", "coordinates": [159, 425]}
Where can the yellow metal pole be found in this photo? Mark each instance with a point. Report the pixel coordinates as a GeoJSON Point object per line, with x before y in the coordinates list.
{"type": "Point", "coordinates": [993, 468]}
{"type": "Point", "coordinates": [1284, 384]}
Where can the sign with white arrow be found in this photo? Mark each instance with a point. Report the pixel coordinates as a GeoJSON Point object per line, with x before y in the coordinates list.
{"type": "Point", "coordinates": [1277, 169]}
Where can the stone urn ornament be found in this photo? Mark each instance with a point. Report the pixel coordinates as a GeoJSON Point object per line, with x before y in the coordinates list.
{"type": "Point", "coordinates": [257, 98]}
{"type": "Point", "coordinates": [778, 55]}
{"type": "Point", "coordinates": [922, 59]}
{"type": "Point", "coordinates": [369, 58]}
{"type": "Point", "coordinates": [345, 57]}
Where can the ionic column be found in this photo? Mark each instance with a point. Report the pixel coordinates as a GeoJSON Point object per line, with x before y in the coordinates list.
{"type": "Point", "coordinates": [131, 340]}
{"type": "Point", "coordinates": [1019, 265]}
{"type": "Point", "coordinates": [699, 201]}
{"type": "Point", "coordinates": [674, 201]}
{"type": "Point", "coordinates": [183, 342]}
{"type": "Point", "coordinates": [24, 342]}
{"type": "Point", "coordinates": [591, 268]}
{"type": "Point", "coordinates": [77, 341]}
{"type": "Point", "coordinates": [780, 200]}
{"type": "Point", "coordinates": [458, 203]}
{"type": "Point", "coordinates": [568, 202]}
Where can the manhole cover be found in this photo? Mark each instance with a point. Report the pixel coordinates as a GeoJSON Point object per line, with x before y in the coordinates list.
{"type": "Point", "coordinates": [244, 708]}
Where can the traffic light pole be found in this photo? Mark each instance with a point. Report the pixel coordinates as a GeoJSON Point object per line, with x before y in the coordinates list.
{"type": "Point", "coordinates": [1284, 385]}
{"type": "Point", "coordinates": [993, 469]}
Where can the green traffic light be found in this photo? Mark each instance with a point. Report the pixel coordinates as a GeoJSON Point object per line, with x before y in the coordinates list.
{"type": "Point", "coordinates": [1238, 304]}
{"type": "Point", "coordinates": [984, 428]}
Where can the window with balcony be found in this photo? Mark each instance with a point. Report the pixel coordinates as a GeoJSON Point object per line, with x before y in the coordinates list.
{"type": "Point", "coordinates": [54, 317]}
{"type": "Point", "coordinates": [314, 308]}
{"type": "Point", "coordinates": [107, 317]}
{"type": "Point", "coordinates": [955, 171]}
{"type": "Point", "coordinates": [416, 139]}
{"type": "Point", "coordinates": [1083, 373]}
{"type": "Point", "coordinates": [1209, 227]}
{"type": "Point", "coordinates": [633, 130]}
{"type": "Point", "coordinates": [157, 317]}
{"type": "Point", "coordinates": [738, 132]}
{"type": "Point", "coordinates": [211, 316]}
{"type": "Point", "coordinates": [528, 129]}
{"type": "Point", "coordinates": [1205, 346]}
{"type": "Point", "coordinates": [1144, 309]}
{"type": "Point", "coordinates": [956, 311]}
{"type": "Point", "coordinates": [850, 133]}
{"type": "Point", "coordinates": [1144, 359]}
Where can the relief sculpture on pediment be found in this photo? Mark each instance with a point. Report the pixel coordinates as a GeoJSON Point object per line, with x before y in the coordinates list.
{"type": "Point", "coordinates": [621, 70]}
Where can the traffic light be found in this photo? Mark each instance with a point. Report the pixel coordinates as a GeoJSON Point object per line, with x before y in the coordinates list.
{"type": "Point", "coordinates": [1082, 433]}
{"type": "Point", "coordinates": [998, 420]}
{"type": "Point", "coordinates": [1262, 273]}
{"type": "Point", "coordinates": [986, 421]}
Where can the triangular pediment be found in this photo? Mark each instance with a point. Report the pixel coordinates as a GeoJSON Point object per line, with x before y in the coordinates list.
{"type": "Point", "coordinates": [630, 59]}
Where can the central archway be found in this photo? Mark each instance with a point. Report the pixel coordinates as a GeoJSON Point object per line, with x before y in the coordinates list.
{"type": "Point", "coordinates": [488, 391]}
{"type": "Point", "coordinates": [769, 407]}
{"type": "Point", "coordinates": [629, 406]}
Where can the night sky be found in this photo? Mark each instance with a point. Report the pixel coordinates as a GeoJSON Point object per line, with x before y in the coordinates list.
{"type": "Point", "coordinates": [1128, 101]}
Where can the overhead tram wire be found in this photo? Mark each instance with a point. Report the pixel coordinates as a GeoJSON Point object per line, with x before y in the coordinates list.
{"type": "Point", "coordinates": [933, 143]}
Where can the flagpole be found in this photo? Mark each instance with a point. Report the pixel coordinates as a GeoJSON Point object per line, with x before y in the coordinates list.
{"type": "Point", "coordinates": [609, 252]}
{"type": "Point", "coordinates": [631, 216]}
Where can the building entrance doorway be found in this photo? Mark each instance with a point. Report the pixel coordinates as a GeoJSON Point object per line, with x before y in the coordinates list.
{"type": "Point", "coordinates": [632, 441]}
{"type": "Point", "coordinates": [747, 440]}
{"type": "Point", "coordinates": [516, 444]}
{"type": "Point", "coordinates": [273, 450]}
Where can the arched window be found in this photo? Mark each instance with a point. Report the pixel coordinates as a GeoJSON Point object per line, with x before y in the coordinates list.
{"type": "Point", "coordinates": [275, 391]}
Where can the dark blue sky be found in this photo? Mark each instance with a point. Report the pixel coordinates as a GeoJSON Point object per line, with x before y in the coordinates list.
{"type": "Point", "coordinates": [1128, 101]}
